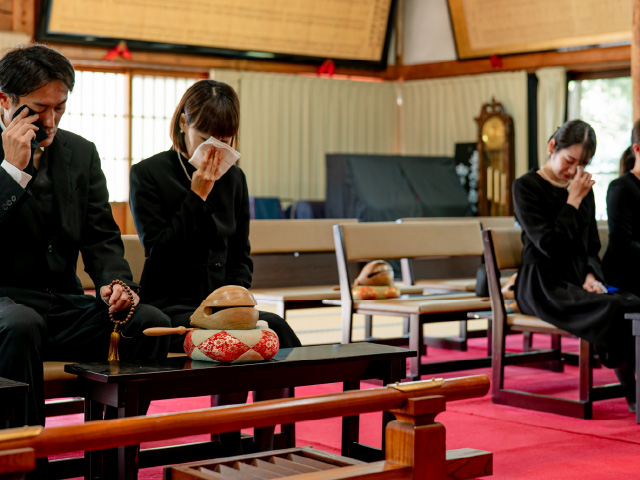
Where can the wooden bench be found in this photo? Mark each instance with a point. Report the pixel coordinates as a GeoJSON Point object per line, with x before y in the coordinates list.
{"type": "Point", "coordinates": [388, 240]}
{"type": "Point", "coordinates": [447, 274]}
{"type": "Point", "coordinates": [60, 388]}
{"type": "Point", "coordinates": [408, 438]}
{"type": "Point", "coordinates": [503, 250]}
{"type": "Point", "coordinates": [451, 274]}
{"type": "Point", "coordinates": [294, 263]}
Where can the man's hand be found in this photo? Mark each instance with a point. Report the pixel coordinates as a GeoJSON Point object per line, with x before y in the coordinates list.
{"type": "Point", "coordinates": [116, 297]}
{"type": "Point", "coordinates": [16, 139]}
{"type": "Point", "coordinates": [204, 178]}
{"type": "Point", "coordinates": [593, 285]}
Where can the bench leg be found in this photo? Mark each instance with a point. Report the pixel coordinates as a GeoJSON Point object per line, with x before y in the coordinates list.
{"type": "Point", "coordinates": [637, 337]}
{"type": "Point", "coordinates": [347, 323]}
{"type": "Point", "coordinates": [463, 334]}
{"type": "Point", "coordinates": [350, 425]}
{"type": "Point", "coordinates": [556, 344]}
{"type": "Point", "coordinates": [416, 341]}
{"type": "Point", "coordinates": [368, 326]}
{"type": "Point", "coordinates": [94, 459]}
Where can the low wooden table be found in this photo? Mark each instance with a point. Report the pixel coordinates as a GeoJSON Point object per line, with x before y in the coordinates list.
{"type": "Point", "coordinates": [128, 385]}
{"type": "Point", "coordinates": [9, 389]}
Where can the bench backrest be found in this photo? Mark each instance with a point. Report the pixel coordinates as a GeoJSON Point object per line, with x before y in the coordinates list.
{"type": "Point", "coordinates": [444, 268]}
{"type": "Point", "coordinates": [288, 253]}
{"type": "Point", "coordinates": [390, 240]}
{"type": "Point", "coordinates": [133, 254]}
{"type": "Point", "coordinates": [364, 242]}
{"type": "Point", "coordinates": [485, 221]}
{"type": "Point", "coordinates": [507, 247]}
{"type": "Point", "coordinates": [290, 236]}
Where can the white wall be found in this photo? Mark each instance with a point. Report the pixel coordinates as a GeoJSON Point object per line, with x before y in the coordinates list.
{"type": "Point", "coordinates": [428, 34]}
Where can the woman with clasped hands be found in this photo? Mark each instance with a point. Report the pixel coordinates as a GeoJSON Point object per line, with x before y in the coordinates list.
{"type": "Point", "coordinates": [560, 279]}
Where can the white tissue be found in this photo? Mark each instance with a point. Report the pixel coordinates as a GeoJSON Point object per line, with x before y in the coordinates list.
{"type": "Point", "coordinates": [228, 155]}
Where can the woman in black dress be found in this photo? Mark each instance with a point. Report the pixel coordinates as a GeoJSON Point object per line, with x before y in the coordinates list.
{"type": "Point", "coordinates": [194, 228]}
{"type": "Point", "coordinates": [560, 279]}
{"type": "Point", "coordinates": [621, 262]}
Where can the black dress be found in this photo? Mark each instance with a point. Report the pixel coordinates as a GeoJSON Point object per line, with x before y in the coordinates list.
{"type": "Point", "coordinates": [621, 262]}
{"type": "Point", "coordinates": [192, 246]}
{"type": "Point", "coordinates": [560, 247]}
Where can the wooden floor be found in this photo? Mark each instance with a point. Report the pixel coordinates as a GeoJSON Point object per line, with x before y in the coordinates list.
{"type": "Point", "coordinates": [322, 325]}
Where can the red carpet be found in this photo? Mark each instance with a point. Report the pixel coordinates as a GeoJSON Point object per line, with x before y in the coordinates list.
{"type": "Point", "coordinates": [526, 444]}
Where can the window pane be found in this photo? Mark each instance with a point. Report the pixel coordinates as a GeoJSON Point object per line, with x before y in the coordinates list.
{"type": "Point", "coordinates": [606, 104]}
{"type": "Point", "coordinates": [96, 110]}
{"type": "Point", "coordinates": [154, 100]}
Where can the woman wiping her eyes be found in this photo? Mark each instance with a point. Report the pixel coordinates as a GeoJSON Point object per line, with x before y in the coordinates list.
{"type": "Point", "coordinates": [194, 222]}
{"type": "Point", "coordinates": [560, 279]}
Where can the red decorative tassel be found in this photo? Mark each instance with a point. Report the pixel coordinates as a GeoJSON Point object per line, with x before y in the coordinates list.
{"type": "Point", "coordinates": [124, 51]}
{"type": "Point", "coordinates": [119, 50]}
{"type": "Point", "coordinates": [496, 61]}
{"type": "Point", "coordinates": [327, 67]}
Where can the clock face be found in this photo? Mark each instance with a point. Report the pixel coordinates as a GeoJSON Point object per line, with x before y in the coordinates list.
{"type": "Point", "coordinates": [493, 132]}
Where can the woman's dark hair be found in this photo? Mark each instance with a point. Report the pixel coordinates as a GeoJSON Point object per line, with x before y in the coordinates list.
{"type": "Point", "coordinates": [576, 132]}
{"type": "Point", "coordinates": [627, 160]}
{"type": "Point", "coordinates": [25, 69]}
{"type": "Point", "coordinates": [209, 107]}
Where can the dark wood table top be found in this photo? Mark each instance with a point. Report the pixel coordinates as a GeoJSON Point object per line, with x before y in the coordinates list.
{"type": "Point", "coordinates": [314, 355]}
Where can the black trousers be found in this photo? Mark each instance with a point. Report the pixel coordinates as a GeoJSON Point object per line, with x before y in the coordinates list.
{"type": "Point", "coordinates": [180, 315]}
{"type": "Point", "coordinates": [37, 326]}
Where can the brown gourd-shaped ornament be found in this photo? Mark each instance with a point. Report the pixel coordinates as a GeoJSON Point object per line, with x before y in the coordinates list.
{"type": "Point", "coordinates": [375, 282]}
{"type": "Point", "coordinates": [226, 329]}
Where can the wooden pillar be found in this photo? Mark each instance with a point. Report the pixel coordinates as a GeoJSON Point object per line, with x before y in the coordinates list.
{"type": "Point", "coordinates": [416, 439]}
{"type": "Point", "coordinates": [635, 58]}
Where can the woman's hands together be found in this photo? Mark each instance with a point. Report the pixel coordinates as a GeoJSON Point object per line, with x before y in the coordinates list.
{"type": "Point", "coordinates": [591, 284]}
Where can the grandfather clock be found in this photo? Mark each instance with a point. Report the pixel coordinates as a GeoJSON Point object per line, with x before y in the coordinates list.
{"type": "Point", "coordinates": [496, 164]}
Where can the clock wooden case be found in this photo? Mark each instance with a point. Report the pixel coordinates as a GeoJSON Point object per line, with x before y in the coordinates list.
{"type": "Point", "coordinates": [496, 163]}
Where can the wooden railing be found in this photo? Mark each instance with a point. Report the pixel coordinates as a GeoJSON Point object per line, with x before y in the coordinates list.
{"type": "Point", "coordinates": [414, 404]}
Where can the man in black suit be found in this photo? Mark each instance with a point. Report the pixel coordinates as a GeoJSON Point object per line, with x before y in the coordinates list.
{"type": "Point", "coordinates": [54, 204]}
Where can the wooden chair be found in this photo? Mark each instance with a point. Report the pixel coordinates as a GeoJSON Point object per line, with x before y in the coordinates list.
{"type": "Point", "coordinates": [60, 389]}
{"type": "Point", "coordinates": [407, 439]}
{"type": "Point", "coordinates": [364, 242]}
{"type": "Point", "coordinates": [294, 263]}
{"type": "Point", "coordinates": [503, 250]}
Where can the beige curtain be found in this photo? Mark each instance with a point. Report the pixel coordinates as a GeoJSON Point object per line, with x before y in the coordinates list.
{"type": "Point", "coordinates": [290, 122]}
{"type": "Point", "coordinates": [437, 114]}
{"type": "Point", "coordinates": [552, 101]}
